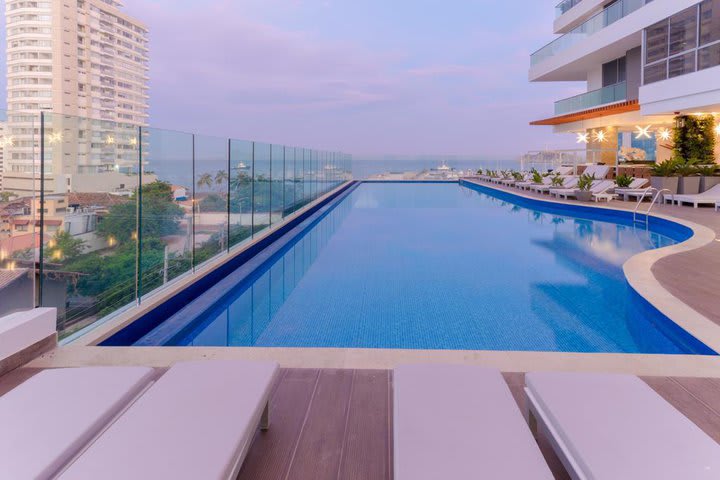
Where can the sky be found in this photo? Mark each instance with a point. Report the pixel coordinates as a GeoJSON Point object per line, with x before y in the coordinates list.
{"type": "Point", "coordinates": [368, 77]}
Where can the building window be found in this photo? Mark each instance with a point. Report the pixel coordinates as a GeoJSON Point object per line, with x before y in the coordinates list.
{"type": "Point", "coordinates": [681, 45]}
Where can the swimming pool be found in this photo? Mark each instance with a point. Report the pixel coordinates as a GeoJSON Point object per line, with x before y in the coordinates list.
{"type": "Point", "coordinates": [440, 266]}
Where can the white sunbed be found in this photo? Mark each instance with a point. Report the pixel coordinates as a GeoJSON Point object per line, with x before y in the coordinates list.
{"type": "Point", "coordinates": [197, 421]}
{"type": "Point", "coordinates": [460, 422]}
{"type": "Point", "coordinates": [637, 187]}
{"type": "Point", "coordinates": [710, 197]}
{"type": "Point", "coordinates": [46, 421]}
{"type": "Point", "coordinates": [564, 171]}
{"type": "Point", "coordinates": [598, 186]}
{"type": "Point", "coordinates": [568, 182]}
{"type": "Point", "coordinates": [616, 427]}
{"type": "Point", "coordinates": [529, 183]}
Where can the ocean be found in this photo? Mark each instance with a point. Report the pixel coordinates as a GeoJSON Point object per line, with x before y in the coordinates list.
{"type": "Point", "coordinates": [363, 168]}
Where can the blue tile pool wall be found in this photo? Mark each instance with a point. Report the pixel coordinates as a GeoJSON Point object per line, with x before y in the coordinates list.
{"type": "Point", "coordinates": [443, 266]}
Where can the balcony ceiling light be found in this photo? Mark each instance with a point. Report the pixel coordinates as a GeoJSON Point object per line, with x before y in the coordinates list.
{"type": "Point", "coordinates": [583, 137]}
{"type": "Point", "coordinates": [643, 132]}
{"type": "Point", "coordinates": [717, 130]}
{"type": "Point", "coordinates": [665, 134]}
{"type": "Point", "coordinates": [600, 136]}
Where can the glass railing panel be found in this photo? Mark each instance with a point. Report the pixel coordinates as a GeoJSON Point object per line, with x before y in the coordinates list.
{"type": "Point", "coordinates": [211, 197]}
{"type": "Point", "coordinates": [564, 6]}
{"type": "Point", "coordinates": [166, 208]}
{"type": "Point", "coordinates": [262, 186]}
{"type": "Point", "coordinates": [19, 236]}
{"type": "Point", "coordinates": [277, 183]}
{"type": "Point", "coordinates": [289, 183]}
{"type": "Point", "coordinates": [603, 96]}
{"type": "Point", "coordinates": [608, 16]}
{"type": "Point", "coordinates": [88, 236]}
{"type": "Point", "coordinates": [241, 191]}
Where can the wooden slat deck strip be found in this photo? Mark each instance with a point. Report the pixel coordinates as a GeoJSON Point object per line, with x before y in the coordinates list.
{"type": "Point", "coordinates": [337, 424]}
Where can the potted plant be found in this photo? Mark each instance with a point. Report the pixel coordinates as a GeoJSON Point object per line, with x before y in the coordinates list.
{"type": "Point", "coordinates": [688, 178]}
{"type": "Point", "coordinates": [708, 176]}
{"type": "Point", "coordinates": [663, 176]}
{"type": "Point", "coordinates": [584, 184]}
{"type": "Point", "coordinates": [557, 181]}
{"type": "Point", "coordinates": [623, 181]}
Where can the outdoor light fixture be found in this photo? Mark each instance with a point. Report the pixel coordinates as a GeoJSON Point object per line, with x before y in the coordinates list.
{"type": "Point", "coordinates": [55, 137]}
{"type": "Point", "coordinates": [583, 138]}
{"type": "Point", "coordinates": [664, 134]}
{"type": "Point", "coordinates": [600, 136]}
{"type": "Point", "coordinates": [717, 130]}
{"type": "Point", "coordinates": [110, 140]}
{"type": "Point", "coordinates": [643, 132]}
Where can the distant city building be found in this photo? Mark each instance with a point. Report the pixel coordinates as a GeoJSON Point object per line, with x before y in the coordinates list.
{"type": "Point", "coordinates": [80, 60]}
{"type": "Point", "coordinates": [3, 126]}
{"type": "Point", "coordinates": [644, 61]}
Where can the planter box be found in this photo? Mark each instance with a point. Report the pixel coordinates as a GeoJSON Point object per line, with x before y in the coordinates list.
{"type": "Point", "coordinates": [583, 196]}
{"type": "Point", "coordinates": [706, 183]}
{"type": "Point", "coordinates": [661, 183]}
{"type": "Point", "coordinates": [689, 185]}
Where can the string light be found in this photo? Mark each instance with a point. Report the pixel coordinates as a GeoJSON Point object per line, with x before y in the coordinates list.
{"type": "Point", "coordinates": [583, 138]}
{"type": "Point", "coordinates": [664, 134]}
{"type": "Point", "coordinates": [600, 136]}
{"type": "Point", "coordinates": [110, 140]}
{"type": "Point", "coordinates": [643, 132]}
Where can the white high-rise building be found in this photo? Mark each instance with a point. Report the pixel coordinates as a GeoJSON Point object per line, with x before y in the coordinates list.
{"type": "Point", "coordinates": [79, 58]}
{"type": "Point", "coordinates": [644, 61]}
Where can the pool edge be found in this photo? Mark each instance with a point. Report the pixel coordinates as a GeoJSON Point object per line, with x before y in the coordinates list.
{"type": "Point", "coordinates": [638, 269]}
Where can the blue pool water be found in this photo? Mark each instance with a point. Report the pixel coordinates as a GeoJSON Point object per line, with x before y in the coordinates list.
{"type": "Point", "coordinates": [445, 266]}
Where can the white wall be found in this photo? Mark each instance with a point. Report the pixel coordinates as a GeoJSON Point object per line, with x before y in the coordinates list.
{"type": "Point", "coordinates": [691, 93]}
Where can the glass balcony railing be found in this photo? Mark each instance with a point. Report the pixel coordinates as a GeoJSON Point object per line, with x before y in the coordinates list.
{"type": "Point", "coordinates": [603, 96]}
{"type": "Point", "coordinates": [564, 6]}
{"type": "Point", "coordinates": [137, 208]}
{"type": "Point", "coordinates": [608, 16]}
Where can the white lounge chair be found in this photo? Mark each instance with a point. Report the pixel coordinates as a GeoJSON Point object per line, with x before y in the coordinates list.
{"type": "Point", "coordinates": [196, 422]}
{"type": "Point", "coordinates": [616, 427]}
{"type": "Point", "coordinates": [598, 186]}
{"type": "Point", "coordinates": [564, 171]}
{"type": "Point", "coordinates": [637, 186]}
{"type": "Point", "coordinates": [568, 182]}
{"type": "Point", "coordinates": [46, 421]}
{"type": "Point", "coordinates": [710, 197]}
{"type": "Point", "coordinates": [460, 422]}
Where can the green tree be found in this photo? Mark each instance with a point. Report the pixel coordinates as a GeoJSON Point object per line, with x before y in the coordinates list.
{"type": "Point", "coordinates": [5, 196]}
{"type": "Point", "coordinates": [205, 180]}
{"type": "Point", "coordinates": [221, 177]}
{"type": "Point", "coordinates": [694, 138]}
{"type": "Point", "coordinates": [65, 247]}
{"type": "Point", "coordinates": [160, 215]}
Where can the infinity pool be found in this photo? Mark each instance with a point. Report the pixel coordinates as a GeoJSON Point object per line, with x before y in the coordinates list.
{"type": "Point", "coordinates": [444, 266]}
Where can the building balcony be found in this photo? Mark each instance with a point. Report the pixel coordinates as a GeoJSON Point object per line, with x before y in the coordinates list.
{"type": "Point", "coordinates": [599, 21]}
{"type": "Point", "coordinates": [563, 7]}
{"type": "Point", "coordinates": [595, 98]}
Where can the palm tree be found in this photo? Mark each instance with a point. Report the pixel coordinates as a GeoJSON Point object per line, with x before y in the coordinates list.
{"type": "Point", "coordinates": [239, 180]}
{"type": "Point", "coordinates": [205, 180]}
{"type": "Point", "coordinates": [221, 177]}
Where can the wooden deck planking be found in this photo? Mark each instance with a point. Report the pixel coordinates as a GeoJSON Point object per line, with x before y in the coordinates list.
{"type": "Point", "coordinates": [319, 448]}
{"type": "Point", "coordinates": [271, 452]}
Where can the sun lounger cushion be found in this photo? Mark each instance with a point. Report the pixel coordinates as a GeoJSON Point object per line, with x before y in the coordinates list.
{"type": "Point", "coordinates": [460, 422]}
{"type": "Point", "coordinates": [48, 419]}
{"type": "Point", "coordinates": [617, 427]}
{"type": "Point", "coordinates": [196, 422]}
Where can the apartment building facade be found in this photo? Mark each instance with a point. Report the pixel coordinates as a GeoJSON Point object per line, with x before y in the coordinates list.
{"type": "Point", "coordinates": [644, 61]}
{"type": "Point", "coordinates": [74, 60]}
